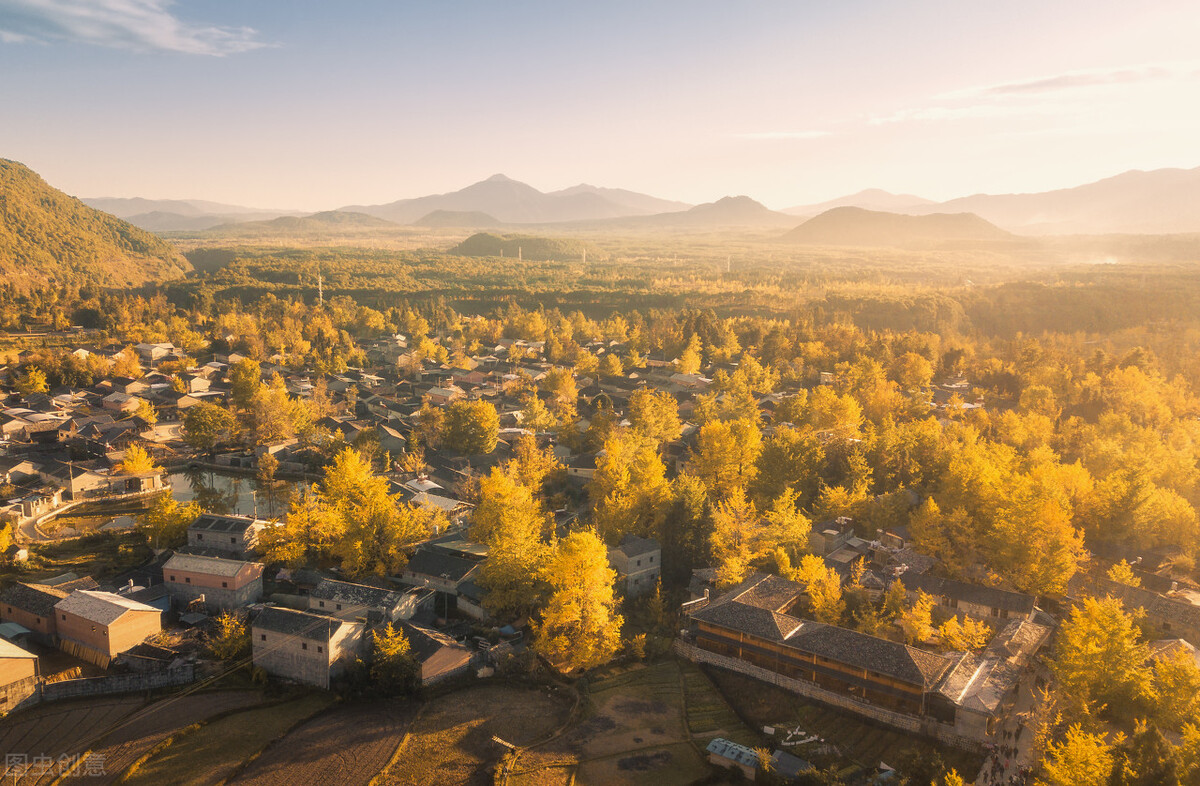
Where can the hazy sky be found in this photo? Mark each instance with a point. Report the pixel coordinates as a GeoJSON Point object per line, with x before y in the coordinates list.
{"type": "Point", "coordinates": [315, 104]}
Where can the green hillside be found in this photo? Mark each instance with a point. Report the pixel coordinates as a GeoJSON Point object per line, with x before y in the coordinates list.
{"type": "Point", "coordinates": [485, 244]}
{"type": "Point", "coordinates": [49, 237]}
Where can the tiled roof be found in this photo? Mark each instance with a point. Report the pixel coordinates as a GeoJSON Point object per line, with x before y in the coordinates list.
{"type": "Point", "coordinates": [103, 608]}
{"type": "Point", "coordinates": [360, 594]}
{"type": "Point", "coordinates": [633, 546]}
{"type": "Point", "coordinates": [307, 625]}
{"type": "Point", "coordinates": [970, 593]}
{"type": "Point", "coordinates": [763, 623]}
{"type": "Point", "coordinates": [429, 562]}
{"type": "Point", "coordinates": [908, 664]}
{"type": "Point", "coordinates": [210, 566]}
{"type": "Point", "coordinates": [37, 599]}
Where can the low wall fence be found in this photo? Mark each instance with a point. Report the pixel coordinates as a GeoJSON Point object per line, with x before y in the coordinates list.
{"type": "Point", "coordinates": [182, 674]}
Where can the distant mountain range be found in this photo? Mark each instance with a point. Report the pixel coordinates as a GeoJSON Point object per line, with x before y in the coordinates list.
{"type": "Point", "coordinates": [1161, 201]}
{"type": "Point", "coordinates": [47, 236]}
{"type": "Point", "coordinates": [854, 226]}
{"type": "Point", "coordinates": [512, 202]}
{"type": "Point", "coordinates": [870, 199]}
{"type": "Point", "coordinates": [175, 215]}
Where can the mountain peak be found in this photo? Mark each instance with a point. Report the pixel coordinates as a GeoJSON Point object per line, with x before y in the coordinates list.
{"type": "Point", "coordinates": [499, 178]}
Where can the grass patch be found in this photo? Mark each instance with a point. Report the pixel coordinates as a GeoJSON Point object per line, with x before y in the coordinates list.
{"type": "Point", "coordinates": [211, 752]}
{"type": "Point", "coordinates": [101, 556]}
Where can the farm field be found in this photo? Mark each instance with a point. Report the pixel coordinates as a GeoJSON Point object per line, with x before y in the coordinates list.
{"type": "Point", "coordinates": [862, 743]}
{"type": "Point", "coordinates": [638, 731]}
{"type": "Point", "coordinates": [346, 745]}
{"type": "Point", "coordinates": [64, 728]}
{"type": "Point", "coordinates": [140, 732]}
{"type": "Point", "coordinates": [451, 740]}
{"type": "Point", "coordinates": [213, 752]}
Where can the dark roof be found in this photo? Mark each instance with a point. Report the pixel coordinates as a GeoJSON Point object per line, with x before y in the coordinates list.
{"type": "Point", "coordinates": [437, 563]}
{"type": "Point", "coordinates": [907, 664]}
{"type": "Point", "coordinates": [360, 594]}
{"type": "Point", "coordinates": [633, 546]}
{"type": "Point", "coordinates": [38, 599]}
{"type": "Point", "coordinates": [969, 593]}
{"type": "Point", "coordinates": [307, 625]}
{"type": "Point", "coordinates": [763, 591]}
{"type": "Point", "coordinates": [212, 522]}
{"type": "Point", "coordinates": [763, 623]}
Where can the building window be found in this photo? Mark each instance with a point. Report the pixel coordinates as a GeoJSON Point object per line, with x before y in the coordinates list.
{"type": "Point", "coordinates": [652, 560]}
{"type": "Point", "coordinates": [262, 637]}
{"type": "Point", "coordinates": [320, 648]}
{"type": "Point", "coordinates": [172, 578]}
{"type": "Point", "coordinates": [225, 584]}
{"type": "Point", "coordinates": [233, 540]}
{"type": "Point", "coordinates": [322, 603]}
{"type": "Point", "coordinates": [199, 536]}
{"type": "Point", "coordinates": [187, 579]}
{"type": "Point", "coordinates": [64, 616]}
{"type": "Point", "coordinates": [339, 607]}
{"type": "Point", "coordinates": [639, 563]}
{"type": "Point", "coordinates": [304, 645]}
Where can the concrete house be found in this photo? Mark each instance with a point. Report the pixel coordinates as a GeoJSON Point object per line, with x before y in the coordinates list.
{"type": "Point", "coordinates": [18, 675]}
{"type": "Point", "coordinates": [638, 563]}
{"type": "Point", "coordinates": [97, 626]}
{"type": "Point", "coordinates": [223, 583]}
{"type": "Point", "coordinates": [305, 647]}
{"type": "Point", "coordinates": [32, 605]}
{"type": "Point", "coordinates": [232, 536]}
{"type": "Point", "coordinates": [360, 602]}
{"type": "Point", "coordinates": [440, 656]}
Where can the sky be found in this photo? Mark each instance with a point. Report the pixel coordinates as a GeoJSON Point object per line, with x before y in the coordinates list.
{"type": "Point", "coordinates": [316, 104]}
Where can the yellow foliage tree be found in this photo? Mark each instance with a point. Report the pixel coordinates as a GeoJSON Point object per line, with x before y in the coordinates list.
{"type": "Point", "coordinates": [580, 628]}
{"type": "Point", "coordinates": [137, 461]}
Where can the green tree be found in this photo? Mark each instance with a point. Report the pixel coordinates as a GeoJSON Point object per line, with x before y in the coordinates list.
{"type": "Point", "coordinates": [580, 628]}
{"type": "Point", "coordinates": [245, 378]}
{"type": "Point", "coordinates": [206, 425]}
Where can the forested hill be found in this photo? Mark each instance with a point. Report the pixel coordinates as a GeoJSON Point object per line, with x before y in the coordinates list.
{"type": "Point", "coordinates": [47, 236]}
{"type": "Point", "coordinates": [485, 244]}
{"type": "Point", "coordinates": [854, 226]}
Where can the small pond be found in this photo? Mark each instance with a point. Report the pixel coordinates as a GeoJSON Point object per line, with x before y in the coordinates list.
{"type": "Point", "coordinates": [217, 492]}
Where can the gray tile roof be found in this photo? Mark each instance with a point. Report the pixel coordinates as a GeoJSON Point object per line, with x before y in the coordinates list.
{"type": "Point", "coordinates": [307, 625]}
{"type": "Point", "coordinates": [429, 562]}
{"type": "Point", "coordinates": [103, 608]}
{"type": "Point", "coordinates": [211, 566]}
{"type": "Point", "coordinates": [908, 664]}
{"type": "Point", "coordinates": [359, 594]}
{"type": "Point", "coordinates": [970, 593]}
{"type": "Point", "coordinates": [633, 546]}
{"type": "Point", "coordinates": [37, 599]}
{"type": "Point", "coordinates": [763, 623]}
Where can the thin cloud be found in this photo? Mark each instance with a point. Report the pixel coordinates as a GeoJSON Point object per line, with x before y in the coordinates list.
{"type": "Point", "coordinates": [136, 25]}
{"type": "Point", "coordinates": [1072, 80]}
{"type": "Point", "coordinates": [779, 135]}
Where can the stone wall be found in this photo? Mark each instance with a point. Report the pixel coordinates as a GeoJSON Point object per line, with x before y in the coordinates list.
{"type": "Point", "coordinates": [119, 683]}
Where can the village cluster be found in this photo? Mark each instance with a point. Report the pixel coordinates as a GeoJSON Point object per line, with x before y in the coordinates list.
{"type": "Point", "coordinates": [63, 450]}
